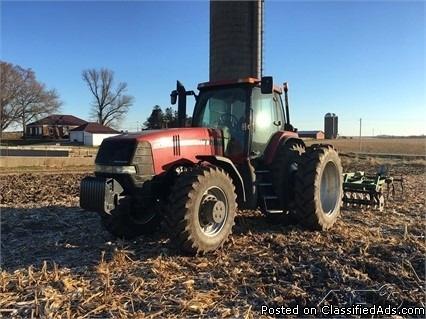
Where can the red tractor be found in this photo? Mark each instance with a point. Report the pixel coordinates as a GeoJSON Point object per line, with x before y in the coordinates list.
{"type": "Point", "coordinates": [240, 151]}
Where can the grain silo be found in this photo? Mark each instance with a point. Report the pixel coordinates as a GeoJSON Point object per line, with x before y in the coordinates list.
{"type": "Point", "coordinates": [330, 125]}
{"type": "Point", "coordinates": [236, 31]}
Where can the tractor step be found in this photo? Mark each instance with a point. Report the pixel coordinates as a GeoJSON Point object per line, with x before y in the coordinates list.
{"type": "Point", "coordinates": [270, 197]}
{"type": "Point", "coordinates": [269, 201]}
{"type": "Point", "coordinates": [264, 184]}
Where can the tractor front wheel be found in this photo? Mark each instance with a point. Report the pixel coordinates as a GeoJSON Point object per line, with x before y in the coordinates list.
{"type": "Point", "coordinates": [201, 210]}
{"type": "Point", "coordinates": [318, 187]}
{"type": "Point", "coordinates": [127, 221]}
{"type": "Point", "coordinates": [136, 216]}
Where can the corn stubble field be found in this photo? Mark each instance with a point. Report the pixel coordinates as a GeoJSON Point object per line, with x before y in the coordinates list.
{"type": "Point", "coordinates": [394, 145]}
{"type": "Point", "coordinates": [57, 262]}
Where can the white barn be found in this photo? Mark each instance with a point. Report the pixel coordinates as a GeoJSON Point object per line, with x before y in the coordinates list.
{"type": "Point", "coordinates": [91, 134]}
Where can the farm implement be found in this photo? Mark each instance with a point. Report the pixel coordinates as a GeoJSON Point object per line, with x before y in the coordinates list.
{"type": "Point", "coordinates": [360, 189]}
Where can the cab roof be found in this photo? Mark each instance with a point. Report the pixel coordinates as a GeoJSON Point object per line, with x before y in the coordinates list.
{"type": "Point", "coordinates": [248, 80]}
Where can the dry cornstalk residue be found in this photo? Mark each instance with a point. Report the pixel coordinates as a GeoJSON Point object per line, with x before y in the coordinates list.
{"type": "Point", "coordinates": [56, 261]}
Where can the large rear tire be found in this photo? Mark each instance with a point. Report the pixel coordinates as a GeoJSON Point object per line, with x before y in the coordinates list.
{"type": "Point", "coordinates": [283, 169]}
{"type": "Point", "coordinates": [318, 186]}
{"type": "Point", "coordinates": [201, 210]}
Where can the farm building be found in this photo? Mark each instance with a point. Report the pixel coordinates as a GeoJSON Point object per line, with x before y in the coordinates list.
{"type": "Point", "coordinates": [91, 134]}
{"type": "Point", "coordinates": [318, 135]}
{"type": "Point", "coordinates": [54, 126]}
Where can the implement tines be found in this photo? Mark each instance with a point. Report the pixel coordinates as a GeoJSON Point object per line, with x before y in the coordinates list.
{"type": "Point", "coordinates": [360, 190]}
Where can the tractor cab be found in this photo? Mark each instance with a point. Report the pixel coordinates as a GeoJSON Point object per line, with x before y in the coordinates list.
{"type": "Point", "coordinates": [247, 111]}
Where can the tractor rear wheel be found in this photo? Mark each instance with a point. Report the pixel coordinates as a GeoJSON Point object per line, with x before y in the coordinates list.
{"type": "Point", "coordinates": [201, 210]}
{"type": "Point", "coordinates": [318, 186]}
{"type": "Point", "coordinates": [284, 168]}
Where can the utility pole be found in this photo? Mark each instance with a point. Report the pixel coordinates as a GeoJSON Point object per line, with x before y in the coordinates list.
{"type": "Point", "coordinates": [360, 133]}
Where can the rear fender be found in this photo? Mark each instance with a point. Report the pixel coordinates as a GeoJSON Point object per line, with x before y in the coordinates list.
{"type": "Point", "coordinates": [278, 139]}
{"type": "Point", "coordinates": [228, 166]}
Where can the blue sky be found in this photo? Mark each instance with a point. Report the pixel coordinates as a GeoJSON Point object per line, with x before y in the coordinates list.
{"type": "Point", "coordinates": [356, 59]}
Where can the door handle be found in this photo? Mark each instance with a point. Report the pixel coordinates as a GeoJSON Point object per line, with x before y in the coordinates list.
{"type": "Point", "coordinates": [277, 123]}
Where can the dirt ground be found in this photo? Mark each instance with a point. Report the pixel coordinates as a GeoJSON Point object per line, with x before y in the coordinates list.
{"type": "Point", "coordinates": [405, 146]}
{"type": "Point", "coordinates": [57, 261]}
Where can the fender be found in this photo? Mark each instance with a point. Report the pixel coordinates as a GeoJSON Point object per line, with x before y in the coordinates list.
{"type": "Point", "coordinates": [278, 139]}
{"type": "Point", "coordinates": [227, 165]}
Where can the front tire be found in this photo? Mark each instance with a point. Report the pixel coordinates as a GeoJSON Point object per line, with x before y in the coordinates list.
{"type": "Point", "coordinates": [123, 222]}
{"type": "Point", "coordinates": [201, 210]}
{"type": "Point", "coordinates": [137, 215]}
{"type": "Point", "coordinates": [318, 187]}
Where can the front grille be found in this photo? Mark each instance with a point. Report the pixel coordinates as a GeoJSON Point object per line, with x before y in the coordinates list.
{"type": "Point", "coordinates": [142, 159]}
{"type": "Point", "coordinates": [116, 152]}
{"type": "Point", "coordinates": [123, 152]}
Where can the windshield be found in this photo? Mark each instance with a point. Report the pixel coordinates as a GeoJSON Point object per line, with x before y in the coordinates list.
{"type": "Point", "coordinates": [221, 107]}
{"type": "Point", "coordinates": [224, 108]}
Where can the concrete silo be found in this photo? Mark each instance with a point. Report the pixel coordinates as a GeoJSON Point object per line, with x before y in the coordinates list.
{"type": "Point", "coordinates": [236, 31]}
{"type": "Point", "coordinates": [330, 126]}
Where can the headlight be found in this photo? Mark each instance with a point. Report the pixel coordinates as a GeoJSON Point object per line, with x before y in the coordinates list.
{"type": "Point", "coordinates": [115, 169]}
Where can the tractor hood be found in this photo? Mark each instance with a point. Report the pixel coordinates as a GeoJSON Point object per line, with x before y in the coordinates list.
{"type": "Point", "coordinates": [171, 147]}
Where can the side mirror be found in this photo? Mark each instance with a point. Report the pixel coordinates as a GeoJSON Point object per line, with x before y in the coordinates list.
{"type": "Point", "coordinates": [266, 85]}
{"type": "Point", "coordinates": [285, 87]}
{"type": "Point", "coordinates": [173, 97]}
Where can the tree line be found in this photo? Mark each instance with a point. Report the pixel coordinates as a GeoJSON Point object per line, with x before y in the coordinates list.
{"type": "Point", "coordinates": [24, 99]}
{"type": "Point", "coordinates": [167, 119]}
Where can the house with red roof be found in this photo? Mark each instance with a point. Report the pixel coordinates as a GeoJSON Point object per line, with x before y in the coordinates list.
{"type": "Point", "coordinates": [55, 126]}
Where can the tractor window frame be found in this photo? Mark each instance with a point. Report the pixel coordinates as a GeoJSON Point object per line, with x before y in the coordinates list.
{"type": "Point", "coordinates": [280, 109]}
{"type": "Point", "coordinates": [197, 113]}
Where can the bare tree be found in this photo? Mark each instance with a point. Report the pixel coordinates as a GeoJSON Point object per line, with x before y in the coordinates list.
{"type": "Point", "coordinates": [109, 106]}
{"type": "Point", "coordinates": [11, 82]}
{"type": "Point", "coordinates": [35, 101]}
{"type": "Point", "coordinates": [22, 97]}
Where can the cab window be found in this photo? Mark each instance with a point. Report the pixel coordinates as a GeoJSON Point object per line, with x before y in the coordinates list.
{"type": "Point", "coordinates": [264, 108]}
{"type": "Point", "coordinates": [224, 109]}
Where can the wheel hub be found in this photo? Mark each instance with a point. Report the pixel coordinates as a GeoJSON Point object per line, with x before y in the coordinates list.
{"type": "Point", "coordinates": [218, 212]}
{"type": "Point", "coordinates": [329, 188]}
{"type": "Point", "coordinates": [213, 211]}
